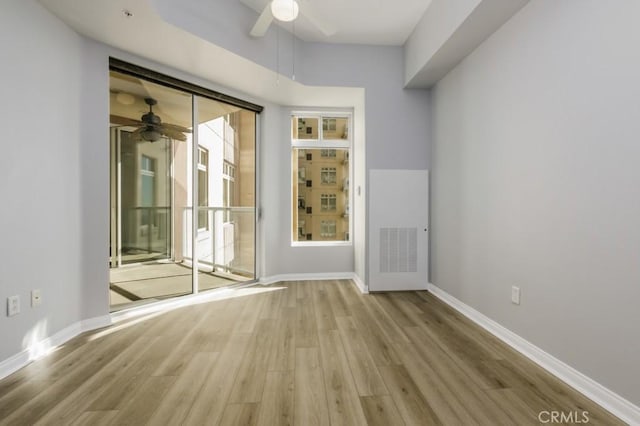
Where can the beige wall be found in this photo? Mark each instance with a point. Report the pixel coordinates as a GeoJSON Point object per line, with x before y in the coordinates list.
{"type": "Point", "coordinates": [246, 173]}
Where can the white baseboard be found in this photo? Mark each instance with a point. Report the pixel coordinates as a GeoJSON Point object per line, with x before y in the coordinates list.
{"type": "Point", "coordinates": [95, 323]}
{"type": "Point", "coordinates": [593, 390]}
{"type": "Point", "coordinates": [46, 345]}
{"type": "Point", "coordinates": [13, 364]}
{"type": "Point", "coordinates": [317, 277]}
{"type": "Point", "coordinates": [306, 277]}
{"type": "Point", "coordinates": [361, 285]}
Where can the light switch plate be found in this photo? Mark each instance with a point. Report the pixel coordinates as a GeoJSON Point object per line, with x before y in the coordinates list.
{"type": "Point", "coordinates": [13, 305]}
{"type": "Point", "coordinates": [515, 295]}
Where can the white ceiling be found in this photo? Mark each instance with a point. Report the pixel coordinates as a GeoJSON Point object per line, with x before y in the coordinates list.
{"type": "Point", "coordinates": [149, 36]}
{"type": "Point", "coordinates": [103, 21]}
{"type": "Point", "coordinates": [377, 22]}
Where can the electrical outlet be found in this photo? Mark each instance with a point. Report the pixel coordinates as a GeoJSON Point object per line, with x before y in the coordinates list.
{"type": "Point", "coordinates": [515, 295]}
{"type": "Point", "coordinates": [36, 298]}
{"type": "Point", "coordinates": [13, 305]}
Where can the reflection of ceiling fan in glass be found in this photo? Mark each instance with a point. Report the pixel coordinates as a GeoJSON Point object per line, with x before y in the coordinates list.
{"type": "Point", "coordinates": [150, 127]}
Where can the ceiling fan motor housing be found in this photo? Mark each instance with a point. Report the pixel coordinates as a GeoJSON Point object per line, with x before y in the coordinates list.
{"type": "Point", "coordinates": [151, 133]}
{"type": "Point", "coordinates": [151, 119]}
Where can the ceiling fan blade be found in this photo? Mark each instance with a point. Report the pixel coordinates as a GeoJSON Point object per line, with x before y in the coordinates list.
{"type": "Point", "coordinates": [174, 134]}
{"type": "Point", "coordinates": [176, 128]}
{"type": "Point", "coordinates": [316, 18]}
{"type": "Point", "coordinates": [262, 24]}
{"type": "Point", "coordinates": [124, 121]}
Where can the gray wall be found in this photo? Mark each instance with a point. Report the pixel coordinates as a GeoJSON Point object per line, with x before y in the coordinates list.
{"type": "Point", "coordinates": [93, 228]}
{"type": "Point", "coordinates": [40, 173]}
{"type": "Point", "coordinates": [535, 183]}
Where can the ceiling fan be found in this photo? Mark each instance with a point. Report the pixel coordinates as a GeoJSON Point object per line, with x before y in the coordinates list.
{"type": "Point", "coordinates": [150, 127]}
{"type": "Point", "coordinates": [288, 10]}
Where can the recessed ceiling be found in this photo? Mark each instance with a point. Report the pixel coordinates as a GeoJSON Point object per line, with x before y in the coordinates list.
{"type": "Point", "coordinates": [376, 22]}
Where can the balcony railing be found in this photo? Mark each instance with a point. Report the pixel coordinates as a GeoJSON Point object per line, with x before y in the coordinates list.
{"type": "Point", "coordinates": [225, 239]}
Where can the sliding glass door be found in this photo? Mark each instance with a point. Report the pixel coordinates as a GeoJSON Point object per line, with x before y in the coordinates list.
{"type": "Point", "coordinates": [225, 238]}
{"type": "Point", "coordinates": [172, 150]}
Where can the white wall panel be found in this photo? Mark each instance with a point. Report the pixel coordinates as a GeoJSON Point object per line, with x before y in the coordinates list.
{"type": "Point", "coordinates": [399, 217]}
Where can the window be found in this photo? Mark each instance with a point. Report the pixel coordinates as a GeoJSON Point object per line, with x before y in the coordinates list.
{"type": "Point", "coordinates": [229, 170]}
{"type": "Point", "coordinates": [147, 175]}
{"type": "Point", "coordinates": [329, 125]}
{"type": "Point", "coordinates": [335, 128]}
{"type": "Point", "coordinates": [328, 229]}
{"type": "Point", "coordinates": [147, 194]}
{"type": "Point", "coordinates": [328, 202]}
{"type": "Point", "coordinates": [320, 177]}
{"type": "Point", "coordinates": [228, 189]}
{"type": "Point", "coordinates": [203, 188]}
{"type": "Point", "coordinates": [328, 175]}
{"type": "Point", "coordinates": [305, 128]}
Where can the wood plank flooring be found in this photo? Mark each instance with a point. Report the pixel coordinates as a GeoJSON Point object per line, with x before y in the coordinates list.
{"type": "Point", "coordinates": [300, 353]}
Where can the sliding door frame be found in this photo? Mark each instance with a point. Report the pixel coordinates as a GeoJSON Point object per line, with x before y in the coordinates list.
{"type": "Point", "coordinates": [174, 83]}
{"type": "Point", "coordinates": [197, 92]}
{"type": "Point", "coordinates": [195, 209]}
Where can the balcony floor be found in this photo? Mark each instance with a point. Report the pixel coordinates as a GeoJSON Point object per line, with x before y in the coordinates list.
{"type": "Point", "coordinates": [133, 285]}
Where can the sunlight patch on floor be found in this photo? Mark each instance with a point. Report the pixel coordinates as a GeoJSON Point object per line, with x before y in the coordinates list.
{"type": "Point", "coordinates": [136, 316]}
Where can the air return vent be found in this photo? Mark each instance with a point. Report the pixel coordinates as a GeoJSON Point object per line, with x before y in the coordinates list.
{"type": "Point", "coordinates": [398, 249]}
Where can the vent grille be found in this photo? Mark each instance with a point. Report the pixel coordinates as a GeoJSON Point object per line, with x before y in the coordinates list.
{"type": "Point", "coordinates": [398, 249]}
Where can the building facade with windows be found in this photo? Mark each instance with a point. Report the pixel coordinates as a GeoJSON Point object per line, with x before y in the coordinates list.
{"type": "Point", "coordinates": [320, 178]}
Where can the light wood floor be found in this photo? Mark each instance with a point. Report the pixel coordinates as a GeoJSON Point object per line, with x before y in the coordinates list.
{"type": "Point", "coordinates": [305, 353]}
